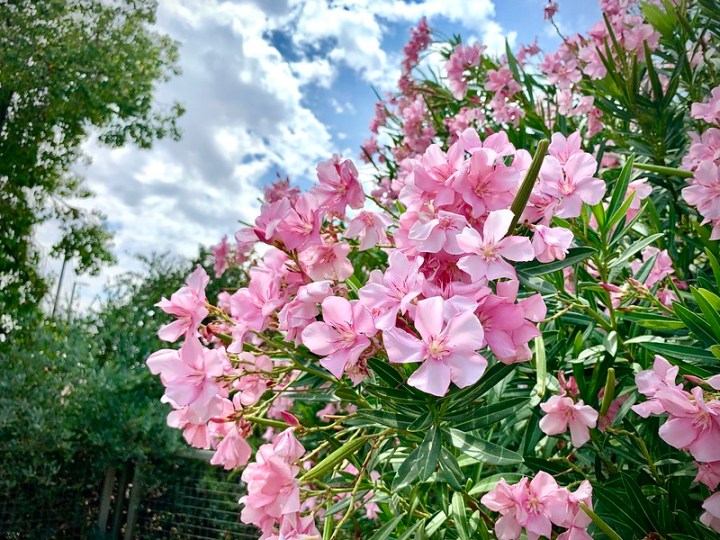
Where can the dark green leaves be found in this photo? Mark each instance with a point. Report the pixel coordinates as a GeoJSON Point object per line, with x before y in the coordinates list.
{"type": "Point", "coordinates": [421, 462]}
{"type": "Point", "coordinates": [482, 450]}
{"type": "Point", "coordinates": [574, 256]}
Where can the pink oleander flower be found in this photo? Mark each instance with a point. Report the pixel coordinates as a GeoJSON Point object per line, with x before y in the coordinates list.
{"type": "Point", "coordinates": [562, 148]}
{"type": "Point", "coordinates": [338, 186]}
{"type": "Point", "coordinates": [649, 382]}
{"type": "Point", "coordinates": [708, 474]}
{"type": "Point", "coordinates": [371, 227]}
{"type": "Point", "coordinates": [711, 516]}
{"type": "Point", "coordinates": [253, 382]}
{"type": "Point", "coordinates": [564, 413]}
{"type": "Point", "coordinates": [295, 527]}
{"type": "Point", "coordinates": [572, 183]}
{"type": "Point", "coordinates": [485, 183]}
{"type": "Point", "coordinates": [640, 190]}
{"type": "Point", "coordinates": [189, 376]}
{"type": "Point", "coordinates": [273, 491]}
{"type": "Point", "coordinates": [233, 451]}
{"type": "Point", "coordinates": [187, 305]}
{"type": "Point", "coordinates": [551, 244]}
{"type": "Point", "coordinates": [709, 111]}
{"type": "Point", "coordinates": [433, 171]}
{"type": "Point", "coordinates": [501, 80]}
{"type": "Point", "coordinates": [327, 261]}
{"type": "Point", "coordinates": [661, 268]}
{"type": "Point", "coordinates": [462, 58]}
{"type": "Point", "coordinates": [388, 294]}
{"type": "Point", "coordinates": [509, 326]}
{"type": "Point", "coordinates": [446, 348]}
{"type": "Point", "coordinates": [534, 505]}
{"type": "Point", "coordinates": [439, 233]}
{"type": "Point", "coordinates": [704, 191]}
{"type": "Point", "coordinates": [577, 521]}
{"type": "Point", "coordinates": [693, 424]}
{"type": "Point", "coordinates": [300, 227]}
{"type": "Point", "coordinates": [705, 147]}
{"type": "Point", "coordinates": [342, 336]}
{"type": "Point", "coordinates": [220, 254]}
{"type": "Point", "coordinates": [303, 309]}
{"type": "Point", "coordinates": [551, 8]}
{"type": "Point", "coordinates": [488, 251]}
{"type": "Point", "coordinates": [280, 189]}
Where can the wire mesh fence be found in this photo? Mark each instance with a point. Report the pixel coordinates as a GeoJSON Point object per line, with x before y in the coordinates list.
{"type": "Point", "coordinates": [194, 500]}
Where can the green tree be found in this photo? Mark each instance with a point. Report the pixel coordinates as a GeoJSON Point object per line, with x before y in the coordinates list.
{"type": "Point", "coordinates": [70, 69]}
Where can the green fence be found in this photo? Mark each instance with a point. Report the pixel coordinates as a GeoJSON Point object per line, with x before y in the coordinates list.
{"type": "Point", "coordinates": [194, 501]}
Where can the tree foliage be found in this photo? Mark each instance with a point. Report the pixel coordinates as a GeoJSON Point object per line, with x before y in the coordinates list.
{"type": "Point", "coordinates": [70, 69]}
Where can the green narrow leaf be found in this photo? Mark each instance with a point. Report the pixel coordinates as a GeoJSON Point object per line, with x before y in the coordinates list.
{"type": "Point", "coordinates": [414, 527]}
{"type": "Point", "coordinates": [451, 469]}
{"type": "Point", "coordinates": [574, 256]}
{"type": "Point", "coordinates": [639, 503]}
{"type": "Point", "coordinates": [334, 458]}
{"type": "Point", "coordinates": [384, 532]}
{"type": "Point", "coordinates": [620, 190]}
{"type": "Point", "coordinates": [709, 312]}
{"type": "Point", "coordinates": [492, 376]}
{"type": "Point", "coordinates": [482, 450]}
{"type": "Point", "coordinates": [673, 350]}
{"type": "Point", "coordinates": [487, 415]}
{"type": "Point", "coordinates": [459, 516]}
{"type": "Point", "coordinates": [714, 265]}
{"type": "Point", "coordinates": [429, 454]}
{"type": "Point", "coordinates": [696, 324]}
{"type": "Point", "coordinates": [386, 418]}
{"type": "Point", "coordinates": [634, 248]}
{"type": "Point", "coordinates": [385, 372]}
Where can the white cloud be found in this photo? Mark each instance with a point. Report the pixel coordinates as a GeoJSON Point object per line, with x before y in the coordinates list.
{"type": "Point", "coordinates": [247, 113]}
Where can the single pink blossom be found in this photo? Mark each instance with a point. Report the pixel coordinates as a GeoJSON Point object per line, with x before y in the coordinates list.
{"type": "Point", "coordinates": [187, 305]}
{"type": "Point", "coordinates": [446, 347]}
{"type": "Point", "coordinates": [564, 413]}
{"type": "Point", "coordinates": [439, 233]}
{"type": "Point", "coordinates": [371, 227]}
{"type": "Point", "coordinates": [711, 516]}
{"type": "Point", "coordinates": [233, 451]}
{"type": "Point", "coordinates": [338, 186]}
{"type": "Point", "coordinates": [189, 376]}
{"type": "Point", "coordinates": [572, 183]}
{"type": "Point", "coordinates": [391, 293]}
{"type": "Point", "coordinates": [220, 254]}
{"type": "Point", "coordinates": [488, 251]}
{"type": "Point", "coordinates": [693, 424]}
{"type": "Point", "coordinates": [327, 261]}
{"type": "Point", "coordinates": [704, 191]}
{"type": "Point", "coordinates": [486, 184]}
{"type": "Point", "coordinates": [649, 382]}
{"type": "Point", "coordinates": [551, 244]}
{"type": "Point", "coordinates": [303, 309]}
{"type": "Point", "coordinates": [342, 336]}
{"type": "Point", "coordinates": [708, 474]}
{"type": "Point", "coordinates": [709, 111]}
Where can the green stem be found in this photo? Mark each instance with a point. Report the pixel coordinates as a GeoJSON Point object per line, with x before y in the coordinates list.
{"type": "Point", "coordinates": [266, 422]}
{"type": "Point", "coordinates": [597, 520]}
{"type": "Point", "coordinates": [523, 194]}
{"type": "Point", "coordinates": [660, 169]}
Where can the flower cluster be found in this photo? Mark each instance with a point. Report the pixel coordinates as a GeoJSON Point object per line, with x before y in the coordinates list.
{"type": "Point", "coordinates": [704, 160]}
{"type": "Point", "coordinates": [538, 504]}
{"type": "Point", "coordinates": [693, 423]}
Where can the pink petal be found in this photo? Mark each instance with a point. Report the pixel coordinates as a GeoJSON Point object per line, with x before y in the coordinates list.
{"type": "Point", "coordinates": [516, 248]}
{"type": "Point", "coordinates": [429, 317]}
{"type": "Point", "coordinates": [465, 369]}
{"type": "Point", "coordinates": [320, 338]}
{"type": "Point", "coordinates": [465, 332]}
{"type": "Point", "coordinates": [337, 310]}
{"type": "Point", "coordinates": [402, 347]}
{"type": "Point", "coordinates": [432, 377]}
{"type": "Point", "coordinates": [497, 225]}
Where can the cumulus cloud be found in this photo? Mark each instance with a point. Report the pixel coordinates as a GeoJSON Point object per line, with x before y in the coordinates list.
{"type": "Point", "coordinates": [248, 114]}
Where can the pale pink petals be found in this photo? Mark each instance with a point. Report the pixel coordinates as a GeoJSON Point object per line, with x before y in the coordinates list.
{"type": "Point", "coordinates": [563, 413]}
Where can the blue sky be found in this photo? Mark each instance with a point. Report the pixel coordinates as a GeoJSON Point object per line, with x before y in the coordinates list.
{"type": "Point", "coordinates": [274, 86]}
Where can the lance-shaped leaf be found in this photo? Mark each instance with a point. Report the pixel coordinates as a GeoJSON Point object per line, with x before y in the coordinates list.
{"type": "Point", "coordinates": [482, 450]}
